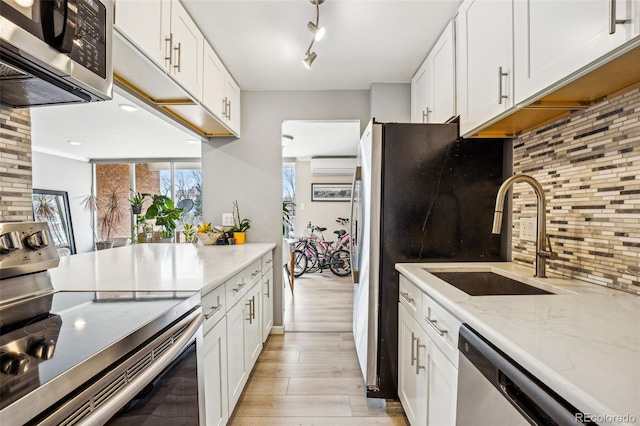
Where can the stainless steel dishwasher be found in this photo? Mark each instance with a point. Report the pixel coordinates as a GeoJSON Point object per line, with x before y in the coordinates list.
{"type": "Point", "coordinates": [494, 390]}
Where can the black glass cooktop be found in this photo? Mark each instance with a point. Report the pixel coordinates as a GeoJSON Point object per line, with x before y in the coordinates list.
{"type": "Point", "coordinates": [45, 337]}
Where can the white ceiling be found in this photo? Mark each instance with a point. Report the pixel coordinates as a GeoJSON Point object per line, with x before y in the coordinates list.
{"type": "Point", "coordinates": [262, 43]}
{"type": "Point", "coordinates": [321, 138]}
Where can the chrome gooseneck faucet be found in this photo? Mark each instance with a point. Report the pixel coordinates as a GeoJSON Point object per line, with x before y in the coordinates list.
{"type": "Point", "coordinates": [542, 254]}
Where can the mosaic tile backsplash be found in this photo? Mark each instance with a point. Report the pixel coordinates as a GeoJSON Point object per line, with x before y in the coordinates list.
{"type": "Point", "coordinates": [15, 165]}
{"type": "Point", "coordinates": [589, 166]}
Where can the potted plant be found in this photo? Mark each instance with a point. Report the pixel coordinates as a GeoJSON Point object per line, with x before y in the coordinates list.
{"type": "Point", "coordinates": [163, 210]}
{"type": "Point", "coordinates": [240, 226]}
{"type": "Point", "coordinates": [189, 233]}
{"type": "Point", "coordinates": [111, 211]}
{"type": "Point", "coordinates": [136, 200]}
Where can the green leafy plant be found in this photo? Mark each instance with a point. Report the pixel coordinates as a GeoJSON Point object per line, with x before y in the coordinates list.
{"type": "Point", "coordinates": [163, 210]}
{"type": "Point", "coordinates": [137, 198]}
{"type": "Point", "coordinates": [189, 233]}
{"type": "Point", "coordinates": [239, 225]}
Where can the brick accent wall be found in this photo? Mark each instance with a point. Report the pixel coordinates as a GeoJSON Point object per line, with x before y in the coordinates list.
{"type": "Point", "coordinates": [589, 166]}
{"type": "Point", "coordinates": [117, 176]}
{"type": "Point", "coordinates": [15, 165]}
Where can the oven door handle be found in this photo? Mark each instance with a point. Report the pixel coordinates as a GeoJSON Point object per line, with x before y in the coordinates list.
{"type": "Point", "coordinates": [109, 408]}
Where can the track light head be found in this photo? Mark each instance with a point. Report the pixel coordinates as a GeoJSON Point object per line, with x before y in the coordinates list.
{"type": "Point", "coordinates": [318, 32]}
{"type": "Point", "coordinates": [308, 60]}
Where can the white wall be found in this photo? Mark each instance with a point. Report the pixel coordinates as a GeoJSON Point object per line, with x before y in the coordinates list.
{"type": "Point", "coordinates": [390, 102]}
{"type": "Point", "coordinates": [319, 213]}
{"type": "Point", "coordinates": [249, 169]}
{"type": "Point", "coordinates": [63, 174]}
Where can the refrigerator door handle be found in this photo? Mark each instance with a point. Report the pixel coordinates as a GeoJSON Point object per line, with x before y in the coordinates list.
{"type": "Point", "coordinates": [355, 272]}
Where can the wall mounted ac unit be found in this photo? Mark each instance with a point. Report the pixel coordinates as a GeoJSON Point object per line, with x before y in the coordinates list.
{"type": "Point", "coordinates": [333, 165]}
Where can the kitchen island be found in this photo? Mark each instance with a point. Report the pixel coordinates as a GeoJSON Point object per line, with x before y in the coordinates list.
{"type": "Point", "coordinates": [582, 341]}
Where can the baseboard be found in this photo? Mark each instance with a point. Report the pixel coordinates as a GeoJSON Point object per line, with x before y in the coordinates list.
{"type": "Point", "coordinates": [277, 329]}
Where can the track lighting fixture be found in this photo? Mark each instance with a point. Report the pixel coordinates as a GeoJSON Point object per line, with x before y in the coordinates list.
{"type": "Point", "coordinates": [308, 60]}
{"type": "Point", "coordinates": [318, 33]}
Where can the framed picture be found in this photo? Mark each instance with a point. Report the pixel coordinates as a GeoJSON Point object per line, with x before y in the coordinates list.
{"type": "Point", "coordinates": [330, 192]}
{"type": "Point", "coordinates": [53, 207]}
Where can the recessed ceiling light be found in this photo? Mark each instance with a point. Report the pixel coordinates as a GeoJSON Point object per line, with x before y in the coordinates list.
{"type": "Point", "coordinates": [128, 107]}
{"type": "Point", "coordinates": [191, 141]}
{"type": "Point", "coordinates": [74, 143]}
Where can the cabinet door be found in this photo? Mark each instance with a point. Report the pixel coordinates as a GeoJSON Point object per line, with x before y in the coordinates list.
{"type": "Point", "coordinates": [556, 38]}
{"type": "Point", "coordinates": [188, 49]}
{"type": "Point", "coordinates": [236, 372]}
{"type": "Point", "coordinates": [215, 375]}
{"type": "Point", "coordinates": [213, 83]}
{"type": "Point", "coordinates": [252, 326]}
{"type": "Point", "coordinates": [232, 94]}
{"type": "Point", "coordinates": [442, 86]}
{"type": "Point", "coordinates": [485, 62]}
{"type": "Point", "coordinates": [151, 34]}
{"type": "Point", "coordinates": [419, 93]}
{"type": "Point", "coordinates": [443, 389]}
{"type": "Point", "coordinates": [412, 368]}
{"type": "Point", "coordinates": [267, 305]}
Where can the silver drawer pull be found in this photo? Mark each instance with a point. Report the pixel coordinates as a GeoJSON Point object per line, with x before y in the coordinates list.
{"type": "Point", "coordinates": [237, 289]}
{"type": "Point", "coordinates": [212, 312]}
{"type": "Point", "coordinates": [255, 273]}
{"type": "Point", "coordinates": [432, 323]}
{"type": "Point", "coordinates": [406, 296]}
{"type": "Point", "coordinates": [268, 262]}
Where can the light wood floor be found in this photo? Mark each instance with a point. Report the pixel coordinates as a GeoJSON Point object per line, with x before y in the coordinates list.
{"type": "Point", "coordinates": [310, 375]}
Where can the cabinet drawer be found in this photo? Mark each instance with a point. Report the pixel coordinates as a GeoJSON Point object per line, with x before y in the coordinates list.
{"type": "Point", "coordinates": [267, 262]}
{"type": "Point", "coordinates": [410, 297]}
{"type": "Point", "coordinates": [213, 307]}
{"type": "Point", "coordinates": [252, 273]}
{"type": "Point", "coordinates": [441, 326]}
{"type": "Point", "coordinates": [235, 288]}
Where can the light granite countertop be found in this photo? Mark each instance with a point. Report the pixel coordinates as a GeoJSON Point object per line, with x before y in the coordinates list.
{"type": "Point", "coordinates": [155, 267]}
{"type": "Point", "coordinates": [583, 341]}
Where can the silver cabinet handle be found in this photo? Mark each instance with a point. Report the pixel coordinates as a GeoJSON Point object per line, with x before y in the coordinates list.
{"type": "Point", "coordinates": [612, 17]}
{"type": "Point", "coordinates": [253, 307]}
{"type": "Point", "coordinates": [413, 357]}
{"type": "Point", "coordinates": [177, 49]}
{"type": "Point", "coordinates": [267, 294]}
{"type": "Point", "coordinates": [418, 366]}
{"type": "Point", "coordinates": [212, 311]}
{"type": "Point", "coordinates": [229, 110]}
{"type": "Point", "coordinates": [406, 297]}
{"type": "Point", "coordinates": [224, 107]}
{"type": "Point", "coordinates": [255, 273]}
{"type": "Point", "coordinates": [168, 48]}
{"type": "Point", "coordinates": [433, 323]}
{"type": "Point", "coordinates": [249, 318]}
{"type": "Point", "coordinates": [237, 289]}
{"type": "Point", "coordinates": [425, 116]}
{"type": "Point", "coordinates": [500, 75]}
{"type": "Point", "coordinates": [268, 262]}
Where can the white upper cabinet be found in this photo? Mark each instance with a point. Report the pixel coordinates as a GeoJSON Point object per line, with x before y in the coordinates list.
{"type": "Point", "coordinates": [187, 45]}
{"type": "Point", "coordinates": [433, 86]}
{"type": "Point", "coordinates": [419, 94]}
{"type": "Point", "coordinates": [484, 61]}
{"type": "Point", "coordinates": [553, 39]}
{"type": "Point", "coordinates": [147, 24]}
{"type": "Point", "coordinates": [232, 98]}
{"type": "Point", "coordinates": [213, 83]}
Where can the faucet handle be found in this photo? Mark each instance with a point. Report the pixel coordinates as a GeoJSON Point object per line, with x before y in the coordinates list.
{"type": "Point", "coordinates": [549, 253]}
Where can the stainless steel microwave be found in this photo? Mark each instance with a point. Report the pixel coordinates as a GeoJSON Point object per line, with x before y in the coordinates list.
{"type": "Point", "coordinates": [55, 52]}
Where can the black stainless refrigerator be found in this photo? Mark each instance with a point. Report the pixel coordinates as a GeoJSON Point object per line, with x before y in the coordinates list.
{"type": "Point", "coordinates": [420, 194]}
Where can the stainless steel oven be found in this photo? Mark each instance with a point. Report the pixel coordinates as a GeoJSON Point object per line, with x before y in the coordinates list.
{"type": "Point", "coordinates": [92, 357]}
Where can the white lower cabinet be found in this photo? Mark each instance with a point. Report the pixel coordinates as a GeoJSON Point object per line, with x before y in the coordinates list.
{"type": "Point", "coordinates": [215, 375]}
{"type": "Point", "coordinates": [412, 372]}
{"type": "Point", "coordinates": [427, 376]}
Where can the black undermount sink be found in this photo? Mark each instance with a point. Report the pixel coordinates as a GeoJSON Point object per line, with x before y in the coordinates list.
{"type": "Point", "coordinates": [487, 284]}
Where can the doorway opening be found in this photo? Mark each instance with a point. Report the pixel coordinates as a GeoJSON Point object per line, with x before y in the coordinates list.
{"type": "Point", "coordinates": [319, 158]}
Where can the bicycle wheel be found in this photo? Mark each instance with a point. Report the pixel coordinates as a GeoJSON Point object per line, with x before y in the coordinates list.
{"type": "Point", "coordinates": [313, 260]}
{"type": "Point", "coordinates": [340, 263]}
{"type": "Point", "coordinates": [299, 263]}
